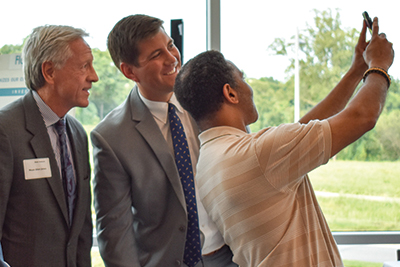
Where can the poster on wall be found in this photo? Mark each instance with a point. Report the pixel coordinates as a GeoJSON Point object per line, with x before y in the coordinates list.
{"type": "Point", "coordinates": [12, 83]}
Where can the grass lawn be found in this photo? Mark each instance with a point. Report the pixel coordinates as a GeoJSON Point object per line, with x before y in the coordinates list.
{"type": "Point", "coordinates": [355, 177]}
{"type": "Point", "coordinates": [348, 214]}
{"type": "Point", "coordinates": [361, 264]}
{"type": "Point", "coordinates": [355, 182]}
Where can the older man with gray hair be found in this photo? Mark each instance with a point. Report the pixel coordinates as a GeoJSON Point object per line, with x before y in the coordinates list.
{"type": "Point", "coordinates": [45, 215]}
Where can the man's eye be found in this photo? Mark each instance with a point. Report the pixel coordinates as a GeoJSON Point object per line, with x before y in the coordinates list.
{"type": "Point", "coordinates": [155, 55]}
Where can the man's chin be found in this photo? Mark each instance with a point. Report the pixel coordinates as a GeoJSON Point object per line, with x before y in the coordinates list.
{"type": "Point", "coordinates": [83, 104]}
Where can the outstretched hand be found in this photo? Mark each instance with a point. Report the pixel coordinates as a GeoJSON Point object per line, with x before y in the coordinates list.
{"type": "Point", "coordinates": [379, 51]}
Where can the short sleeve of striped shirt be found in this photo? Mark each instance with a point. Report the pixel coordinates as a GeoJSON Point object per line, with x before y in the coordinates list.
{"type": "Point", "coordinates": [288, 152]}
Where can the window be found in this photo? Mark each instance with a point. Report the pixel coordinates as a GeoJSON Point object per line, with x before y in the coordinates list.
{"type": "Point", "coordinates": [248, 28]}
{"type": "Point", "coordinates": [364, 207]}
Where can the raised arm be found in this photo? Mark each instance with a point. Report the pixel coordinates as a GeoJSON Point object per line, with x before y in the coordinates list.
{"type": "Point", "coordinates": [363, 111]}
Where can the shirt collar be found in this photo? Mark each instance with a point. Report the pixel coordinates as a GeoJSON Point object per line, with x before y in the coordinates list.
{"type": "Point", "coordinates": [160, 109]}
{"type": "Point", "coordinates": [48, 115]}
{"type": "Point", "coordinates": [218, 132]}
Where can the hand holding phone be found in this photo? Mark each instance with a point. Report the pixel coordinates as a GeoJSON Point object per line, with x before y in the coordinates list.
{"type": "Point", "coordinates": [368, 21]}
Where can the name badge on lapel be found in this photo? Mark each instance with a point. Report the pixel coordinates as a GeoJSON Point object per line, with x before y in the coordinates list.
{"type": "Point", "coordinates": [37, 168]}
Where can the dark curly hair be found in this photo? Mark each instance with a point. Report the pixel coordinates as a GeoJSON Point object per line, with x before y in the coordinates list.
{"type": "Point", "coordinates": [124, 38]}
{"type": "Point", "coordinates": [198, 86]}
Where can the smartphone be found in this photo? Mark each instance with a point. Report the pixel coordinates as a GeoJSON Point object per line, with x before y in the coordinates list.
{"type": "Point", "coordinates": [368, 21]}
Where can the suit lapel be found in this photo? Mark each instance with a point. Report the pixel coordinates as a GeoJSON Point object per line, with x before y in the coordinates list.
{"type": "Point", "coordinates": [150, 131]}
{"type": "Point", "coordinates": [41, 146]}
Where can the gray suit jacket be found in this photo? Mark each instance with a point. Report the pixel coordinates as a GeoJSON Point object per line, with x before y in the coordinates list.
{"type": "Point", "coordinates": [138, 196]}
{"type": "Point", "coordinates": [34, 227]}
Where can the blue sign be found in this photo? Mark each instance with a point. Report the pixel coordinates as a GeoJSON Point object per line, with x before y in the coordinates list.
{"type": "Point", "coordinates": [13, 91]}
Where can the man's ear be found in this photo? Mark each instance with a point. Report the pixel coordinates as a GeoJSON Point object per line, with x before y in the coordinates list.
{"type": "Point", "coordinates": [48, 71]}
{"type": "Point", "coordinates": [230, 94]}
{"type": "Point", "coordinates": [128, 72]}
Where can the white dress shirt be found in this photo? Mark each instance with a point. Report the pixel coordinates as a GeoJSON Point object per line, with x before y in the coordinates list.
{"type": "Point", "coordinates": [212, 238]}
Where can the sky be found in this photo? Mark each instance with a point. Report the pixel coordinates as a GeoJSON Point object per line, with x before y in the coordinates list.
{"type": "Point", "coordinates": [247, 27]}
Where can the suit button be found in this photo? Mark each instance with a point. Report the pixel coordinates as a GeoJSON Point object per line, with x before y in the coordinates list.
{"type": "Point", "coordinates": [178, 263]}
{"type": "Point", "coordinates": [182, 228]}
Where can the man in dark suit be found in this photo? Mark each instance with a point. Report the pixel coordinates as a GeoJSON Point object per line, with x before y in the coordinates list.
{"type": "Point", "coordinates": [142, 217]}
{"type": "Point", "coordinates": [45, 216]}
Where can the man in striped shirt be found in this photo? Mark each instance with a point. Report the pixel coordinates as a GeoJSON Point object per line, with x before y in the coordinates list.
{"type": "Point", "coordinates": [255, 186]}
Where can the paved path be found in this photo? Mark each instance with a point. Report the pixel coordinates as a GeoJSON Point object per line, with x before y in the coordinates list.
{"type": "Point", "coordinates": [369, 253]}
{"type": "Point", "coordinates": [376, 198]}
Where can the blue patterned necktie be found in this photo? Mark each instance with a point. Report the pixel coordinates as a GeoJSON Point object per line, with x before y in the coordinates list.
{"type": "Point", "coordinates": [67, 171]}
{"type": "Point", "coordinates": [192, 253]}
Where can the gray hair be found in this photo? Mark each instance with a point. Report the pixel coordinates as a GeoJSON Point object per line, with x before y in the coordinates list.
{"type": "Point", "coordinates": [47, 43]}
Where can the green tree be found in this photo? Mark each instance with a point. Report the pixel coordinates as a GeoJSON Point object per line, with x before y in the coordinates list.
{"type": "Point", "coordinates": [393, 97]}
{"type": "Point", "coordinates": [111, 89]}
{"type": "Point", "coordinates": [88, 115]}
{"type": "Point", "coordinates": [388, 130]}
{"type": "Point", "coordinates": [325, 55]}
{"type": "Point", "coordinates": [274, 102]}
{"type": "Point", "coordinates": [11, 49]}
